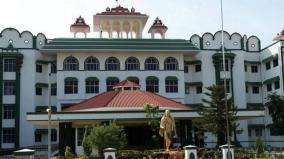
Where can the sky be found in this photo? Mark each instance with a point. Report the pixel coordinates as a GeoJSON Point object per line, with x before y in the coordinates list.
{"type": "Point", "coordinates": [262, 18]}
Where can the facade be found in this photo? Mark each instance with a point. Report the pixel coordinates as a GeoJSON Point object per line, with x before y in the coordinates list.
{"type": "Point", "coordinates": [178, 69]}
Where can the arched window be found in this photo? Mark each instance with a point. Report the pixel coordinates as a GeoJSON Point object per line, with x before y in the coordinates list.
{"type": "Point", "coordinates": [132, 63]}
{"type": "Point", "coordinates": [92, 64]}
{"type": "Point", "coordinates": [110, 82]}
{"type": "Point", "coordinates": [133, 79]}
{"type": "Point", "coordinates": [71, 85]}
{"type": "Point", "coordinates": [92, 85]}
{"type": "Point", "coordinates": [152, 84]}
{"type": "Point", "coordinates": [171, 85]}
{"type": "Point", "coordinates": [70, 64]}
{"type": "Point", "coordinates": [151, 63]}
{"type": "Point", "coordinates": [171, 64]}
{"type": "Point", "coordinates": [112, 64]}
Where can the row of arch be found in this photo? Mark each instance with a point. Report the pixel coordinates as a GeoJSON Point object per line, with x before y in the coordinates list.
{"type": "Point", "coordinates": [92, 84]}
{"type": "Point", "coordinates": [112, 63]}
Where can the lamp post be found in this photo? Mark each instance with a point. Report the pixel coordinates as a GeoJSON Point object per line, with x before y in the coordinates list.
{"type": "Point", "coordinates": [225, 82]}
{"type": "Point", "coordinates": [48, 110]}
{"type": "Point", "coordinates": [49, 132]}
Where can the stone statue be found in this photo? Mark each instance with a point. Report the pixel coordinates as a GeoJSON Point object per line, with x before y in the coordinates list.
{"type": "Point", "coordinates": [167, 128]}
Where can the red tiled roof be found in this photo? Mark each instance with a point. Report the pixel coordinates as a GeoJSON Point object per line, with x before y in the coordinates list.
{"type": "Point", "coordinates": [126, 83]}
{"type": "Point", "coordinates": [126, 100]}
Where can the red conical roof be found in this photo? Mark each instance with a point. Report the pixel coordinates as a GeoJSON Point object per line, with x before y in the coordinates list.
{"type": "Point", "coordinates": [125, 100]}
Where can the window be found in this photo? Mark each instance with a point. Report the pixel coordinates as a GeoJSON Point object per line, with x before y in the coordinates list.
{"type": "Point", "coordinates": [38, 91]}
{"type": "Point", "coordinates": [110, 82]}
{"type": "Point", "coordinates": [267, 65]}
{"type": "Point", "coordinates": [37, 137]}
{"type": "Point", "coordinates": [246, 68]}
{"type": "Point", "coordinates": [8, 135]}
{"type": "Point", "coordinates": [185, 69]}
{"type": "Point", "coordinates": [9, 87]}
{"type": "Point", "coordinates": [112, 64]}
{"type": "Point", "coordinates": [276, 85]}
{"type": "Point", "coordinates": [198, 68]}
{"type": "Point", "coordinates": [249, 132]}
{"type": "Point", "coordinates": [8, 111]}
{"type": "Point", "coordinates": [38, 68]}
{"type": "Point", "coordinates": [92, 64]}
{"type": "Point", "coordinates": [71, 64]}
{"type": "Point", "coordinates": [92, 85]}
{"type": "Point", "coordinates": [255, 89]}
{"type": "Point", "coordinates": [133, 79]}
{"type": "Point", "coordinates": [187, 88]}
{"type": "Point", "coordinates": [247, 89]}
{"type": "Point", "coordinates": [258, 132]}
{"type": "Point", "coordinates": [53, 68]}
{"type": "Point", "coordinates": [53, 136]}
{"type": "Point", "coordinates": [269, 87]}
{"type": "Point", "coordinates": [53, 89]}
{"type": "Point", "coordinates": [171, 85]}
{"type": "Point", "coordinates": [132, 63]}
{"type": "Point", "coordinates": [226, 65]}
{"type": "Point", "coordinates": [198, 89]}
{"type": "Point", "coordinates": [151, 63]}
{"type": "Point", "coordinates": [171, 64]}
{"type": "Point", "coordinates": [254, 68]}
{"type": "Point", "coordinates": [9, 65]}
{"type": "Point", "coordinates": [275, 132]}
{"type": "Point", "coordinates": [275, 62]}
{"type": "Point", "coordinates": [71, 86]}
{"type": "Point", "coordinates": [152, 84]}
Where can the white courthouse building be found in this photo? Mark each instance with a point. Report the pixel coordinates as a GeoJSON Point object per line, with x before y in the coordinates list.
{"type": "Point", "coordinates": [178, 69]}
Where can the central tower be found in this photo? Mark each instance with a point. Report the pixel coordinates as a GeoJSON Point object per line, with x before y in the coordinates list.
{"type": "Point", "coordinates": [120, 22]}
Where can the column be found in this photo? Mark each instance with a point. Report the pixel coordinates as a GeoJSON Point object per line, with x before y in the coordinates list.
{"type": "Point", "coordinates": [19, 62]}
{"type": "Point", "coordinates": [131, 30]}
{"type": "Point", "coordinates": [110, 23]}
{"type": "Point", "coordinates": [121, 29]}
{"type": "Point", "coordinates": [101, 30]}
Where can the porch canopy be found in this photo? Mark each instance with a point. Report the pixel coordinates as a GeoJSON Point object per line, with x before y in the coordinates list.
{"type": "Point", "coordinates": [124, 104]}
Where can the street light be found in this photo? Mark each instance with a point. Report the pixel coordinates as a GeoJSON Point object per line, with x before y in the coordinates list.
{"type": "Point", "coordinates": [225, 83]}
{"type": "Point", "coordinates": [49, 133]}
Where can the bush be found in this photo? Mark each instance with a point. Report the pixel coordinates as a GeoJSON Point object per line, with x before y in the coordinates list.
{"type": "Point", "coordinates": [68, 154]}
{"type": "Point", "coordinates": [106, 136]}
{"type": "Point", "coordinates": [259, 147]}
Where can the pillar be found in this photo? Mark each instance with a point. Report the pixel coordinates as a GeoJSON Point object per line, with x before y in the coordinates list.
{"type": "Point", "coordinates": [152, 35]}
{"type": "Point", "coordinates": [19, 61]}
{"type": "Point", "coordinates": [131, 30]}
{"type": "Point", "coordinates": [226, 153]}
{"type": "Point", "coordinates": [109, 153]}
{"type": "Point", "coordinates": [190, 152]}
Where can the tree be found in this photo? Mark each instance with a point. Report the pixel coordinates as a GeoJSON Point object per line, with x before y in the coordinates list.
{"type": "Point", "coordinates": [107, 136]}
{"type": "Point", "coordinates": [275, 105]}
{"type": "Point", "coordinates": [213, 113]}
{"type": "Point", "coordinates": [153, 117]}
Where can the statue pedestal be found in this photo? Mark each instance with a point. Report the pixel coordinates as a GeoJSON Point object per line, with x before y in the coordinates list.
{"type": "Point", "coordinates": [190, 152]}
{"type": "Point", "coordinates": [225, 152]}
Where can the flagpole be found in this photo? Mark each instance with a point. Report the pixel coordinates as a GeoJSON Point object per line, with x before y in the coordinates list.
{"type": "Point", "coordinates": [225, 83]}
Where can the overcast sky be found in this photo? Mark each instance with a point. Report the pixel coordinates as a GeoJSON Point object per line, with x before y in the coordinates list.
{"type": "Point", "coordinates": [263, 18]}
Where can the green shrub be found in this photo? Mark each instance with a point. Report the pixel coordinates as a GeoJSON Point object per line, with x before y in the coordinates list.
{"type": "Point", "coordinates": [106, 136]}
{"type": "Point", "coordinates": [259, 147]}
{"type": "Point", "coordinates": [68, 154]}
